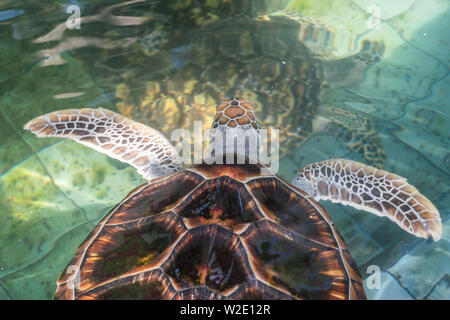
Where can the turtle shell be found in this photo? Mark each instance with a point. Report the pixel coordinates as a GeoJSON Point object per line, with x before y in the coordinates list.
{"type": "Point", "coordinates": [214, 232]}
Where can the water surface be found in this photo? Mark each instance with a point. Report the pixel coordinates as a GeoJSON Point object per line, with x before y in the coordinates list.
{"type": "Point", "coordinates": [53, 192]}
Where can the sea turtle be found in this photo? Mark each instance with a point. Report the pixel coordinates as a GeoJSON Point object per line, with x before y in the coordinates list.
{"type": "Point", "coordinates": [282, 63]}
{"type": "Point", "coordinates": [225, 228]}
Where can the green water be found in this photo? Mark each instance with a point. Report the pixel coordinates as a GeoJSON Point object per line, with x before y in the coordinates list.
{"type": "Point", "coordinates": [53, 192]}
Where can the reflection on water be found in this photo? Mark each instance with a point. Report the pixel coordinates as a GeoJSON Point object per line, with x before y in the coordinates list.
{"type": "Point", "coordinates": [334, 84]}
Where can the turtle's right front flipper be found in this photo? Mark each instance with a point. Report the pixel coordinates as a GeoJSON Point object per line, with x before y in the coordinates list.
{"type": "Point", "coordinates": [373, 190]}
{"type": "Point", "coordinates": [121, 138]}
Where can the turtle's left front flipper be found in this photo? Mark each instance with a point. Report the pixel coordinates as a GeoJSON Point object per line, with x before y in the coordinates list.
{"type": "Point", "coordinates": [373, 190]}
{"type": "Point", "coordinates": [121, 138]}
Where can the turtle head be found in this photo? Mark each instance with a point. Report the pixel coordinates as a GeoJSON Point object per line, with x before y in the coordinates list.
{"type": "Point", "coordinates": [235, 129]}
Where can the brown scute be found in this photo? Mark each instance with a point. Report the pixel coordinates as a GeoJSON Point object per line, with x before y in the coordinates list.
{"type": "Point", "coordinates": [165, 162]}
{"type": "Point", "coordinates": [213, 232]}
{"type": "Point", "coordinates": [85, 119]}
{"type": "Point", "coordinates": [64, 118]}
{"type": "Point", "coordinates": [243, 121]}
{"type": "Point", "coordinates": [234, 112]}
{"type": "Point", "coordinates": [131, 155]}
{"type": "Point", "coordinates": [334, 192]}
{"type": "Point", "coordinates": [247, 105]}
{"type": "Point", "coordinates": [156, 198]}
{"type": "Point", "coordinates": [223, 121]}
{"type": "Point", "coordinates": [53, 117]}
{"type": "Point", "coordinates": [293, 212]}
{"type": "Point", "coordinates": [130, 247]}
{"type": "Point", "coordinates": [418, 227]}
{"type": "Point", "coordinates": [221, 106]}
{"type": "Point", "coordinates": [300, 267]}
{"type": "Point", "coordinates": [91, 139]}
{"type": "Point", "coordinates": [211, 256]}
{"type": "Point", "coordinates": [120, 150]}
{"type": "Point", "coordinates": [390, 209]}
{"type": "Point", "coordinates": [425, 214]}
{"type": "Point", "coordinates": [151, 285]}
{"type": "Point", "coordinates": [345, 194]}
{"type": "Point", "coordinates": [322, 187]}
{"type": "Point", "coordinates": [107, 146]}
{"type": "Point", "coordinates": [232, 124]}
{"type": "Point", "coordinates": [375, 205]}
{"type": "Point", "coordinates": [35, 127]}
{"type": "Point", "coordinates": [104, 139]}
{"type": "Point", "coordinates": [142, 161]}
{"type": "Point", "coordinates": [356, 199]}
{"type": "Point", "coordinates": [222, 201]}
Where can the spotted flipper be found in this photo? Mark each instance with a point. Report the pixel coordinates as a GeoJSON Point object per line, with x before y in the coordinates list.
{"type": "Point", "coordinates": [373, 190]}
{"type": "Point", "coordinates": [129, 141]}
